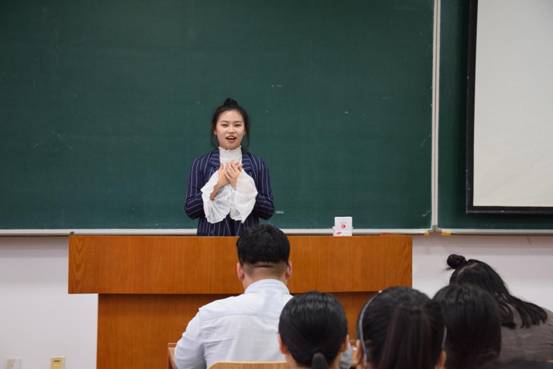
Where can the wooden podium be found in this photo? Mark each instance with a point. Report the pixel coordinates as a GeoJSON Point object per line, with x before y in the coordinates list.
{"type": "Point", "coordinates": [150, 286]}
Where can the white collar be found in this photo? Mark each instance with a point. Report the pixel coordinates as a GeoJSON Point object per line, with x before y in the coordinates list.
{"type": "Point", "coordinates": [267, 284]}
{"type": "Point", "coordinates": [230, 155]}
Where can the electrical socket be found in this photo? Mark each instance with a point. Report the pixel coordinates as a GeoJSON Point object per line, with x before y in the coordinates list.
{"type": "Point", "coordinates": [13, 363]}
{"type": "Point", "coordinates": [57, 362]}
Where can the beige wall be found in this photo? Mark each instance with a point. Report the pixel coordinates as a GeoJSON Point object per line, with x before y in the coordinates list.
{"type": "Point", "coordinates": [38, 319]}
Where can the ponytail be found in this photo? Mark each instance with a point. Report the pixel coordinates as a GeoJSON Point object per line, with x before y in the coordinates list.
{"type": "Point", "coordinates": [313, 327]}
{"type": "Point", "coordinates": [482, 275]}
{"type": "Point", "coordinates": [472, 318]}
{"type": "Point", "coordinates": [408, 331]}
{"type": "Point", "coordinates": [318, 361]}
{"type": "Point", "coordinates": [401, 328]}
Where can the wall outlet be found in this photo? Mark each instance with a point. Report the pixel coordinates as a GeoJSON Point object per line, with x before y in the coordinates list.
{"type": "Point", "coordinates": [57, 362]}
{"type": "Point", "coordinates": [13, 363]}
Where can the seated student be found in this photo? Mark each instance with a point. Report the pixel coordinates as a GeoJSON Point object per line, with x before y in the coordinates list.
{"type": "Point", "coordinates": [471, 316]}
{"type": "Point", "coordinates": [527, 329]}
{"type": "Point", "coordinates": [400, 328]}
{"type": "Point", "coordinates": [244, 327]}
{"type": "Point", "coordinates": [313, 331]}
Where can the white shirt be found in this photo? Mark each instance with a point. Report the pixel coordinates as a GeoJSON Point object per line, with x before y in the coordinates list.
{"type": "Point", "coordinates": [238, 328]}
{"type": "Point", "coordinates": [237, 202]}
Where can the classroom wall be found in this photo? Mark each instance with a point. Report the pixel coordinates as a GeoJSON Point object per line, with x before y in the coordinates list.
{"type": "Point", "coordinates": [38, 319]}
{"type": "Point", "coordinates": [524, 262]}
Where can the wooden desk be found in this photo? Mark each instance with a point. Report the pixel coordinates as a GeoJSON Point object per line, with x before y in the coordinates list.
{"type": "Point", "coordinates": [150, 286]}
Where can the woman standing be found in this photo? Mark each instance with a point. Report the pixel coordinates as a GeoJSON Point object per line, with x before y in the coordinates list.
{"type": "Point", "coordinates": [228, 188]}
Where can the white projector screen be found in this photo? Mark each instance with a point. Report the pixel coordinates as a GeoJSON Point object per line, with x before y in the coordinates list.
{"type": "Point", "coordinates": [513, 105]}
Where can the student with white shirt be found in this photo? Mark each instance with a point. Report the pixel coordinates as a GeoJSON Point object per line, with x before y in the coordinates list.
{"type": "Point", "coordinates": [244, 327]}
{"type": "Point", "coordinates": [229, 188]}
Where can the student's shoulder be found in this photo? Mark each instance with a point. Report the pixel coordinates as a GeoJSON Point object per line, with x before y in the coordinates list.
{"type": "Point", "coordinates": [226, 306]}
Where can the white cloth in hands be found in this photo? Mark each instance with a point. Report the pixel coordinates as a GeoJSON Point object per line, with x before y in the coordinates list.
{"type": "Point", "coordinates": [238, 202]}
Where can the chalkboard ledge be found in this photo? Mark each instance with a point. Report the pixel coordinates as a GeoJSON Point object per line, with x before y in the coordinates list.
{"type": "Point", "coordinates": [192, 231]}
{"type": "Point", "coordinates": [486, 231]}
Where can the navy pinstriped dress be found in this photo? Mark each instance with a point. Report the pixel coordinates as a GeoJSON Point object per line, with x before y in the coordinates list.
{"type": "Point", "coordinates": [202, 169]}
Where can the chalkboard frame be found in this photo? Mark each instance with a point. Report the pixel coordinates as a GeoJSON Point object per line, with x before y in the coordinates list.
{"type": "Point", "coordinates": [101, 109]}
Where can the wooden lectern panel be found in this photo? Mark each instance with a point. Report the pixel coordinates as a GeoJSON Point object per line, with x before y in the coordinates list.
{"type": "Point", "coordinates": [206, 265]}
{"type": "Point", "coordinates": [350, 264]}
{"type": "Point", "coordinates": [152, 264]}
{"type": "Point", "coordinates": [151, 286]}
{"type": "Point", "coordinates": [133, 330]}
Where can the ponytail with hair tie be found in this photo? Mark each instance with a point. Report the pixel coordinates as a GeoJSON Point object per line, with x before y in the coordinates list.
{"type": "Point", "coordinates": [318, 361]}
{"type": "Point", "coordinates": [401, 328]}
{"type": "Point", "coordinates": [480, 274]}
{"type": "Point", "coordinates": [313, 328]}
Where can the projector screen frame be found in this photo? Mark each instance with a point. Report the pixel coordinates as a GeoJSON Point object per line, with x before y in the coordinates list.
{"type": "Point", "coordinates": [470, 102]}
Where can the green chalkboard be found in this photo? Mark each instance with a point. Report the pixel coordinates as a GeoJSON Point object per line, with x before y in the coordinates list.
{"type": "Point", "coordinates": [104, 105]}
{"type": "Point", "coordinates": [452, 139]}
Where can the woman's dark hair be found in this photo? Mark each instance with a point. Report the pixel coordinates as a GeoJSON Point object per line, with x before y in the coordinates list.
{"type": "Point", "coordinates": [471, 316]}
{"type": "Point", "coordinates": [401, 328]}
{"type": "Point", "coordinates": [313, 327]}
{"type": "Point", "coordinates": [230, 104]}
{"type": "Point", "coordinates": [482, 275]}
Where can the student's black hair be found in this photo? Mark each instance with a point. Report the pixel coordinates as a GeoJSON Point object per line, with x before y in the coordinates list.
{"type": "Point", "coordinates": [482, 275]}
{"type": "Point", "coordinates": [313, 327]}
{"type": "Point", "coordinates": [401, 328]}
{"type": "Point", "coordinates": [471, 316]}
{"type": "Point", "coordinates": [230, 104]}
{"type": "Point", "coordinates": [263, 243]}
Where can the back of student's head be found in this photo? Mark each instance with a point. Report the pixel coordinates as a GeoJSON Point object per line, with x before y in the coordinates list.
{"type": "Point", "coordinates": [471, 316]}
{"type": "Point", "coordinates": [401, 328]}
{"type": "Point", "coordinates": [480, 274]}
{"type": "Point", "coordinates": [263, 246]}
{"type": "Point", "coordinates": [313, 329]}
